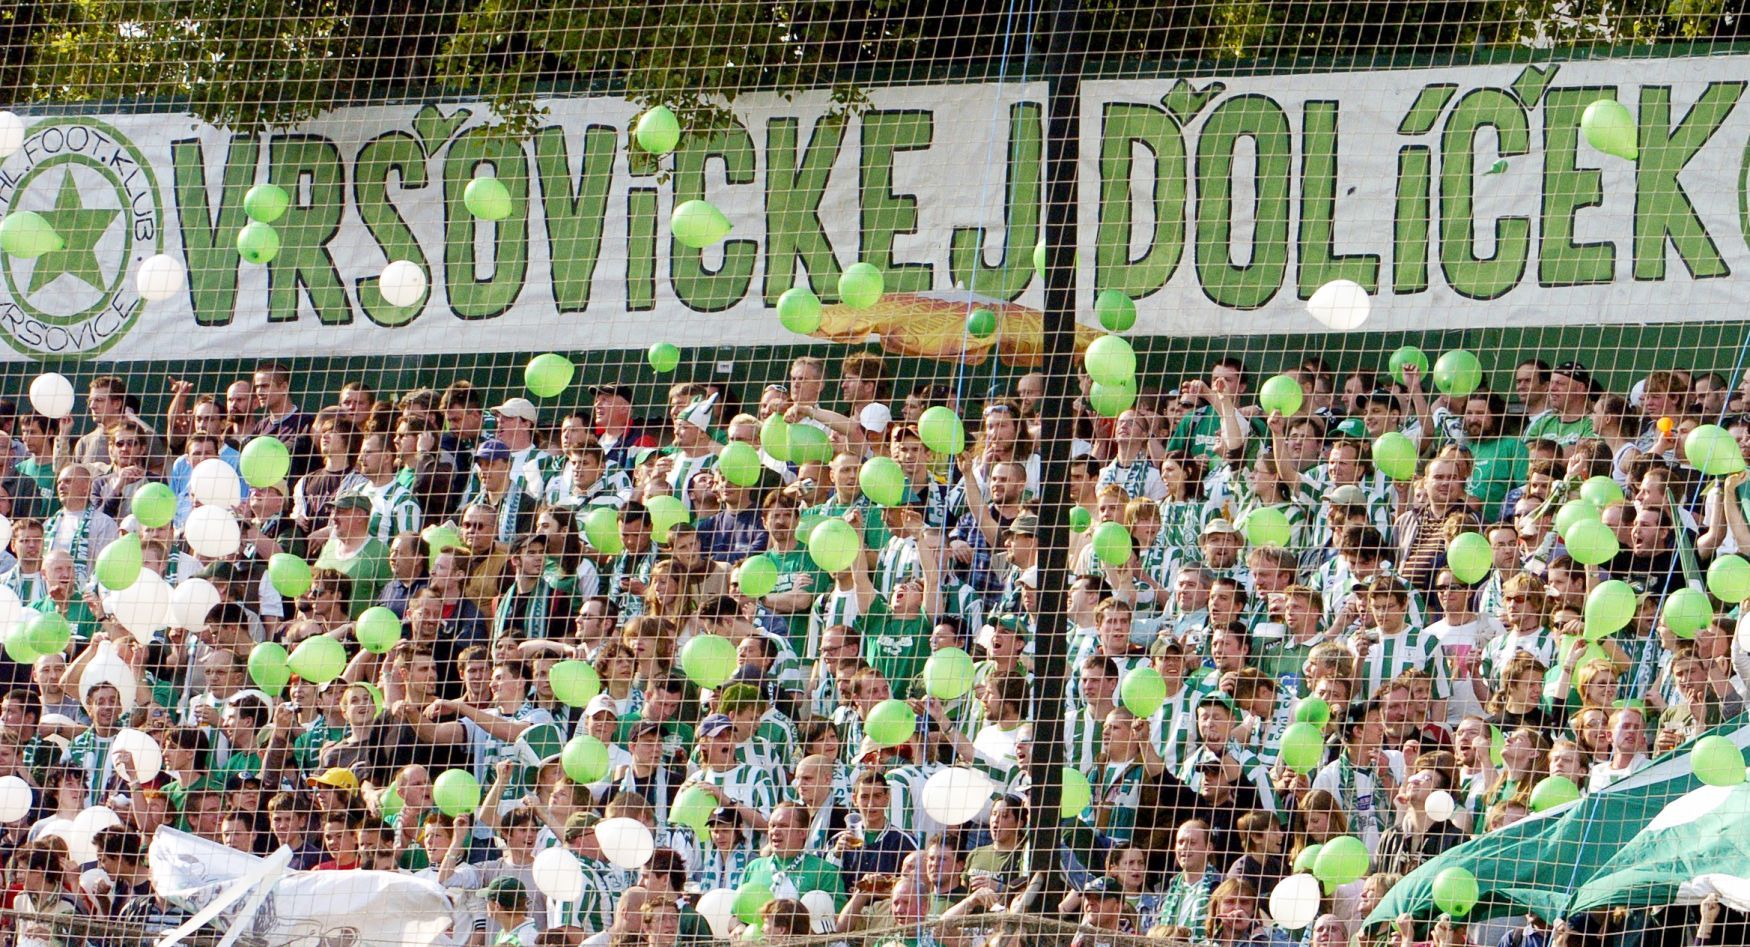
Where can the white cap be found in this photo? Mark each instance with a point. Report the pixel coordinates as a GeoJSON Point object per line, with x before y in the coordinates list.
{"type": "Point", "coordinates": [600, 703]}
{"type": "Point", "coordinates": [521, 408]}
{"type": "Point", "coordinates": [875, 417]}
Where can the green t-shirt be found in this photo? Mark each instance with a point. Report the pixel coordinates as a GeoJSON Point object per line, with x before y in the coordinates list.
{"type": "Point", "coordinates": [895, 646]}
{"type": "Point", "coordinates": [1565, 433]}
{"type": "Point", "coordinates": [43, 475]}
{"type": "Point", "coordinates": [368, 570]}
{"type": "Point", "coordinates": [1280, 658]}
{"type": "Point", "coordinates": [1501, 463]}
{"type": "Point", "coordinates": [795, 567]}
{"type": "Point", "coordinates": [807, 872]}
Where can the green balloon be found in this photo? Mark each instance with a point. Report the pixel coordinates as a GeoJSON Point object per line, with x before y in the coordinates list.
{"type": "Point", "coordinates": [1591, 543]}
{"type": "Point", "coordinates": [1303, 747]}
{"type": "Point", "coordinates": [948, 674]}
{"type": "Point", "coordinates": [377, 630]}
{"type": "Point", "coordinates": [1552, 791]}
{"type": "Point", "coordinates": [658, 131]}
{"type": "Point", "coordinates": [890, 723]}
{"type": "Point", "coordinates": [666, 512]}
{"type": "Point", "coordinates": [750, 899]}
{"type": "Point", "coordinates": [882, 480]}
{"type": "Point", "coordinates": [1313, 710]}
{"type": "Point", "coordinates": [809, 444]}
{"type": "Point", "coordinates": [154, 505]}
{"type": "Point", "coordinates": [1142, 691]}
{"type": "Point", "coordinates": [26, 235]}
{"type": "Point", "coordinates": [119, 563]}
{"type": "Point", "coordinates": [1341, 861]}
{"type": "Point", "coordinates": [1110, 360]}
{"type": "Point", "coordinates": [941, 430]}
{"type": "Point", "coordinates": [18, 647]}
{"type": "Point", "coordinates": [602, 528]}
{"type": "Point", "coordinates": [1077, 794]}
{"type": "Point", "coordinates": [1729, 578]}
{"type": "Point", "coordinates": [268, 667]}
{"type": "Point", "coordinates": [47, 632]}
{"type": "Point", "coordinates": [1455, 888]}
{"type": "Point", "coordinates": [1267, 526]}
{"type": "Point", "coordinates": [585, 759]}
{"type": "Point", "coordinates": [318, 660]}
{"type": "Point", "coordinates": [455, 792]}
{"type": "Point", "coordinates": [1109, 401]}
{"type": "Point", "coordinates": [487, 199]}
{"type": "Point", "coordinates": [1408, 355]}
{"type": "Point", "coordinates": [1112, 544]}
{"type": "Point", "coordinates": [799, 310]}
{"type": "Point", "coordinates": [708, 660]}
{"type": "Point", "coordinates": [574, 682]}
{"type": "Point", "coordinates": [1712, 450]}
{"type": "Point", "coordinates": [833, 545]}
{"type": "Point", "coordinates": [1610, 606]}
{"type": "Point", "coordinates": [1610, 128]}
{"type": "Point", "coordinates": [1039, 267]}
{"type": "Point", "coordinates": [692, 808]}
{"type": "Point", "coordinates": [1116, 311]}
{"type": "Point", "coordinates": [699, 224]}
{"type": "Point", "coordinates": [1303, 862]}
{"type": "Point", "coordinates": [264, 461]}
{"type": "Point", "coordinates": [1717, 761]}
{"type": "Point", "coordinates": [775, 437]}
{"type": "Point", "coordinates": [439, 538]}
{"type": "Point", "coordinates": [1601, 491]}
{"type": "Point", "coordinates": [266, 203]}
{"type": "Point", "coordinates": [982, 324]}
{"type": "Point", "coordinates": [1281, 393]}
{"type": "Point", "coordinates": [1687, 611]}
{"type": "Point", "coordinates": [740, 464]}
{"type": "Point", "coordinates": [1080, 519]}
{"type": "Point", "coordinates": [861, 285]}
{"type": "Point", "coordinates": [757, 576]}
{"type": "Point", "coordinates": [258, 243]}
{"type": "Point", "coordinates": [1469, 557]}
{"type": "Point", "coordinates": [548, 375]}
{"type": "Point", "coordinates": [1458, 373]}
{"type": "Point", "coordinates": [663, 357]}
{"type": "Point", "coordinates": [1497, 745]}
{"type": "Point", "coordinates": [1395, 455]}
{"type": "Point", "coordinates": [392, 803]}
{"type": "Point", "coordinates": [1575, 511]}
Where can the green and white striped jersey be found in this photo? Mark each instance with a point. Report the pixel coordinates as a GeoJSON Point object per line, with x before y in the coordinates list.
{"type": "Point", "coordinates": [1392, 654]}
{"type": "Point", "coordinates": [592, 910]}
{"type": "Point", "coordinates": [747, 785]}
{"type": "Point", "coordinates": [1139, 478]}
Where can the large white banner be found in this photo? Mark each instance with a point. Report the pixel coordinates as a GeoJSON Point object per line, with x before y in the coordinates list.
{"type": "Point", "coordinates": [1462, 197]}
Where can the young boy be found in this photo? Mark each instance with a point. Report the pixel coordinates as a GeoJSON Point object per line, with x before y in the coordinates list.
{"type": "Point", "coordinates": [507, 905]}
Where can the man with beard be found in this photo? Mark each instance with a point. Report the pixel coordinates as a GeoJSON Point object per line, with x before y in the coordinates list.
{"type": "Point", "coordinates": [1497, 462]}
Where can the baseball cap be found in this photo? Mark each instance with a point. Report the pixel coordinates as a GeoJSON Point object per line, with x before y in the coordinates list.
{"type": "Point", "coordinates": [1346, 495]}
{"type": "Point", "coordinates": [869, 748]}
{"type": "Point", "coordinates": [875, 417]}
{"type": "Point", "coordinates": [724, 815]}
{"type": "Point", "coordinates": [715, 725]}
{"type": "Point", "coordinates": [1350, 427]}
{"type": "Point", "coordinates": [645, 726]}
{"type": "Point", "coordinates": [352, 501]}
{"type": "Point", "coordinates": [506, 892]}
{"type": "Point", "coordinates": [1574, 370]}
{"type": "Point", "coordinates": [243, 780]}
{"type": "Point", "coordinates": [600, 703]}
{"type": "Point", "coordinates": [492, 449]}
{"type": "Point", "coordinates": [580, 823]}
{"type": "Point", "coordinates": [1380, 396]}
{"type": "Point", "coordinates": [336, 777]}
{"type": "Point", "coordinates": [1030, 577]}
{"type": "Point", "coordinates": [1025, 524]}
{"type": "Point", "coordinates": [521, 408]}
{"type": "Point", "coordinates": [1219, 697]}
{"type": "Point", "coordinates": [1219, 525]}
{"type": "Point", "coordinates": [1102, 888]}
{"type": "Point", "coordinates": [623, 392]}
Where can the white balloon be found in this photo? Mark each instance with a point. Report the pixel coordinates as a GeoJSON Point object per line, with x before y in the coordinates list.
{"type": "Point", "coordinates": [402, 283]}
{"type": "Point", "coordinates": [143, 607]}
{"type": "Point", "coordinates": [108, 668]}
{"type": "Point", "coordinates": [5, 532]}
{"type": "Point", "coordinates": [821, 915]}
{"type": "Point", "coordinates": [11, 611]}
{"type": "Point", "coordinates": [955, 795]}
{"type": "Point", "coordinates": [1295, 902]}
{"type": "Point", "coordinates": [81, 835]}
{"type": "Point", "coordinates": [1439, 805]}
{"type": "Point", "coordinates": [51, 394]}
{"type": "Point", "coordinates": [212, 532]}
{"type": "Point", "coordinates": [15, 799]}
{"type": "Point", "coordinates": [1340, 304]}
{"type": "Point", "coordinates": [717, 907]}
{"type": "Point", "coordinates": [557, 874]}
{"type": "Point", "coordinates": [215, 483]}
{"type": "Point", "coordinates": [625, 842]}
{"type": "Point", "coordinates": [148, 755]}
{"type": "Point", "coordinates": [161, 277]}
{"type": "Point", "coordinates": [11, 134]}
{"type": "Point", "coordinates": [191, 601]}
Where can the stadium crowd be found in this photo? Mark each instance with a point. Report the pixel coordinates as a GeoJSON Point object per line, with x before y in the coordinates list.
{"type": "Point", "coordinates": [465, 516]}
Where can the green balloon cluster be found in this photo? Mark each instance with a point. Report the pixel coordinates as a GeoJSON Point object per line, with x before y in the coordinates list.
{"type": "Point", "coordinates": [1601, 491]}
{"type": "Point", "coordinates": [269, 667]}
{"type": "Point", "coordinates": [657, 131]}
{"type": "Point", "coordinates": [318, 659]}
{"type": "Point", "coordinates": [757, 576]}
{"type": "Point", "coordinates": [575, 683]}
{"type": "Point", "coordinates": [1309, 856]}
{"type": "Point", "coordinates": [833, 545]}
{"type": "Point", "coordinates": [799, 310]}
{"type": "Point", "coordinates": [1406, 356]}
{"type": "Point", "coordinates": [26, 235]}
{"type": "Point", "coordinates": [1110, 360]}
{"type": "Point", "coordinates": [1728, 578]}
{"type": "Point", "coordinates": [740, 464]}
{"type": "Point", "coordinates": [1142, 691]}
{"type": "Point", "coordinates": [882, 480]}
{"type": "Point", "coordinates": [455, 792]}
{"type": "Point", "coordinates": [1712, 450]}
{"type": "Point", "coordinates": [487, 199]}
{"type": "Point", "coordinates": [1717, 761]}
{"type": "Point", "coordinates": [40, 633]}
{"type": "Point", "coordinates": [1469, 556]}
{"type": "Point", "coordinates": [941, 430]}
{"type": "Point", "coordinates": [1281, 394]}
{"type": "Point", "coordinates": [1457, 373]}
{"type": "Point", "coordinates": [1267, 526]}
{"type": "Point", "coordinates": [1115, 310]}
{"type": "Point", "coordinates": [699, 224]}
{"type": "Point", "coordinates": [1395, 456]}
{"type": "Point", "coordinates": [1610, 128]}
{"type": "Point", "coordinates": [548, 375]}
{"type": "Point", "coordinates": [1591, 543]}
{"type": "Point", "coordinates": [265, 461]}
{"type": "Point", "coordinates": [1112, 544]}
{"type": "Point", "coordinates": [1610, 606]}
{"type": "Point", "coordinates": [861, 285]}
{"type": "Point", "coordinates": [584, 759]}
{"type": "Point", "coordinates": [257, 243]}
{"type": "Point", "coordinates": [377, 629]}
{"type": "Point", "coordinates": [708, 660]}
{"type": "Point", "coordinates": [1575, 511]}
{"type": "Point", "coordinates": [890, 723]}
{"type": "Point", "coordinates": [119, 563]}
{"type": "Point", "coordinates": [266, 203]}
{"type": "Point", "coordinates": [1553, 791]}
{"type": "Point", "coordinates": [948, 674]}
{"type": "Point", "coordinates": [154, 505]}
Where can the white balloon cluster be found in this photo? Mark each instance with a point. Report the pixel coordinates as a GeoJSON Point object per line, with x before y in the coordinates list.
{"type": "Point", "coordinates": [211, 529]}
{"type": "Point", "coordinates": [81, 833]}
{"type": "Point", "coordinates": [144, 607]}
